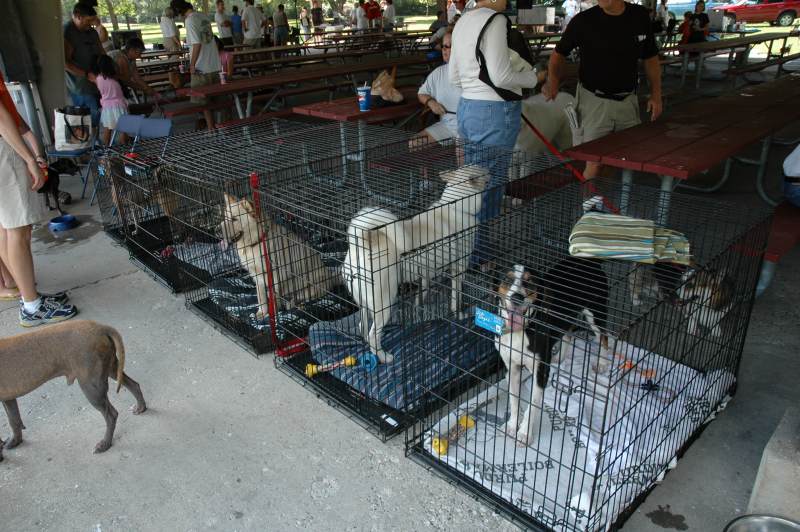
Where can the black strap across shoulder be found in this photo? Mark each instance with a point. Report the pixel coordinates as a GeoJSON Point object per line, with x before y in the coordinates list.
{"type": "Point", "coordinates": [516, 41]}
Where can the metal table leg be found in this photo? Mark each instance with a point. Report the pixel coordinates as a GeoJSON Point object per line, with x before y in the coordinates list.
{"type": "Point", "coordinates": [238, 102]}
{"type": "Point", "coordinates": [684, 68]}
{"type": "Point", "coordinates": [625, 196]}
{"type": "Point", "coordinates": [726, 173]}
{"type": "Point", "coordinates": [762, 171]}
{"type": "Point", "coordinates": [699, 75]}
{"type": "Point", "coordinates": [663, 199]}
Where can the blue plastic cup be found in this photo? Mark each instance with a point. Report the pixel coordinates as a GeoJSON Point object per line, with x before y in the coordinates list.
{"type": "Point", "coordinates": [364, 98]}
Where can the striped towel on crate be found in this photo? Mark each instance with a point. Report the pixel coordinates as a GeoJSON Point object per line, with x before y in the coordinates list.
{"type": "Point", "coordinates": [612, 236]}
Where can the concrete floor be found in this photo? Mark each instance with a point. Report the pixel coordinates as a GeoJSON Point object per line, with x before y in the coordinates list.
{"type": "Point", "coordinates": [230, 443]}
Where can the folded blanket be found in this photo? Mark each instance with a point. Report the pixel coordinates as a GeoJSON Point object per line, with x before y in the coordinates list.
{"type": "Point", "coordinates": [612, 236]}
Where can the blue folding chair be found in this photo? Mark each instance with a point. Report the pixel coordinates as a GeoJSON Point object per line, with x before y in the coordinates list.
{"type": "Point", "coordinates": [126, 124]}
{"type": "Point", "coordinates": [53, 153]}
{"type": "Point", "coordinates": [156, 128]}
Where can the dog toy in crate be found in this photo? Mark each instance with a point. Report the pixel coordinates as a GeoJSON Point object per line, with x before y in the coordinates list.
{"type": "Point", "coordinates": [367, 361]}
{"type": "Point", "coordinates": [440, 444]}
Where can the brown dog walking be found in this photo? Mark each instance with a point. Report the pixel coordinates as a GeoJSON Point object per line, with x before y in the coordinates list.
{"type": "Point", "coordinates": [78, 350]}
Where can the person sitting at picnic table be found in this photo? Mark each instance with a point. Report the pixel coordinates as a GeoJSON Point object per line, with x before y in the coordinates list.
{"type": "Point", "coordinates": [700, 23]}
{"type": "Point", "coordinates": [612, 37]}
{"type": "Point", "coordinates": [389, 16]}
{"type": "Point", "coordinates": [440, 22]}
{"type": "Point", "coordinates": [204, 64]}
{"type": "Point", "coordinates": [169, 31]}
{"type": "Point", "coordinates": [281, 22]}
{"type": "Point", "coordinates": [236, 26]}
{"type": "Point", "coordinates": [305, 24]}
{"type": "Point", "coordinates": [439, 95]}
{"type": "Point", "coordinates": [21, 162]}
{"type": "Point", "coordinates": [253, 24]}
{"type": "Point", "coordinates": [127, 71]}
{"type": "Point", "coordinates": [373, 14]}
{"type": "Point", "coordinates": [224, 26]}
{"type": "Point", "coordinates": [81, 48]}
{"type": "Point", "coordinates": [360, 20]}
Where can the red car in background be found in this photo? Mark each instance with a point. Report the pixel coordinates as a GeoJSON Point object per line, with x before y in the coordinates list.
{"type": "Point", "coordinates": [780, 12]}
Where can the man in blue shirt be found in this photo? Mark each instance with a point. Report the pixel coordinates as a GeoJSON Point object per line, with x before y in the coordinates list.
{"type": "Point", "coordinates": [236, 26]}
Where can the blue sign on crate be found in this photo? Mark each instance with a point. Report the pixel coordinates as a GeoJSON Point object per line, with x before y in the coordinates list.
{"type": "Point", "coordinates": [486, 320]}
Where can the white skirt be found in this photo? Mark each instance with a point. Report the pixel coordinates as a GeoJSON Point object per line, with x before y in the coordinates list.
{"type": "Point", "coordinates": [19, 205]}
{"type": "Point", "coordinates": [110, 115]}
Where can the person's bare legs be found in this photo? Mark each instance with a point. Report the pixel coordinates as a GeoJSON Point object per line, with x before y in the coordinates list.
{"type": "Point", "coordinates": [15, 251]}
{"type": "Point", "coordinates": [209, 116]}
{"type": "Point", "coordinates": [8, 288]}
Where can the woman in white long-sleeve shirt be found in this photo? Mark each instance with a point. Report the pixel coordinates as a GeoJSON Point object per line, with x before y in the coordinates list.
{"type": "Point", "coordinates": [485, 117]}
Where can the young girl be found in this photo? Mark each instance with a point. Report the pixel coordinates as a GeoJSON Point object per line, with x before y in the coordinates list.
{"type": "Point", "coordinates": [112, 100]}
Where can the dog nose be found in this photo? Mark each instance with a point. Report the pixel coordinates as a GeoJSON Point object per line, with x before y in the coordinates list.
{"type": "Point", "coordinates": [517, 298]}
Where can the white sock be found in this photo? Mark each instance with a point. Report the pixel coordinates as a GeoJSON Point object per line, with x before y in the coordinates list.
{"type": "Point", "coordinates": [32, 306]}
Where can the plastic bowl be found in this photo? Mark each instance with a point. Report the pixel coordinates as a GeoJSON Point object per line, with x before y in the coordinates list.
{"type": "Point", "coordinates": [63, 223]}
{"type": "Point", "coordinates": [762, 523]}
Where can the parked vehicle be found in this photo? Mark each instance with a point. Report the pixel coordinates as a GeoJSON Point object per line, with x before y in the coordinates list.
{"type": "Point", "coordinates": [678, 8]}
{"type": "Point", "coordinates": [777, 12]}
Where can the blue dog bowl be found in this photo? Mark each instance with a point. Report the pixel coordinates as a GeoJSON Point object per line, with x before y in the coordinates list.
{"type": "Point", "coordinates": [63, 223]}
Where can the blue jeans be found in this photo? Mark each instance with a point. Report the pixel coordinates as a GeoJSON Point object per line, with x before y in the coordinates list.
{"type": "Point", "coordinates": [488, 125]}
{"type": "Point", "coordinates": [88, 100]}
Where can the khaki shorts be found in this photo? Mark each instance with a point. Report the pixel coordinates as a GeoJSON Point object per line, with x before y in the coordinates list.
{"type": "Point", "coordinates": [600, 116]}
{"type": "Point", "coordinates": [171, 46]}
{"type": "Point", "coordinates": [19, 205]}
{"type": "Point", "coordinates": [201, 80]}
{"type": "Point", "coordinates": [253, 42]}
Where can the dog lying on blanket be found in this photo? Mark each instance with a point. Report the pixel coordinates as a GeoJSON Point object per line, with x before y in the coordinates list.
{"type": "Point", "coordinates": [537, 313]}
{"type": "Point", "coordinates": [376, 239]}
{"type": "Point", "coordinates": [297, 269]}
{"type": "Point", "coordinates": [78, 350]}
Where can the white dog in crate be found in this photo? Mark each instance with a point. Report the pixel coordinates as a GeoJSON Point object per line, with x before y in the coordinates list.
{"type": "Point", "coordinates": [297, 269]}
{"type": "Point", "coordinates": [376, 239]}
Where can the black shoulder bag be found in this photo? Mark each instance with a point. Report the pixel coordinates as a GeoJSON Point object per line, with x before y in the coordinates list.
{"type": "Point", "coordinates": [517, 42]}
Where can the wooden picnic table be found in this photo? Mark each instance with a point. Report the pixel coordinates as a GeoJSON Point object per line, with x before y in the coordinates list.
{"type": "Point", "coordinates": [347, 109]}
{"type": "Point", "coordinates": [280, 80]}
{"type": "Point", "coordinates": [737, 46]}
{"type": "Point", "coordinates": [152, 54]}
{"type": "Point", "coordinates": [698, 136]}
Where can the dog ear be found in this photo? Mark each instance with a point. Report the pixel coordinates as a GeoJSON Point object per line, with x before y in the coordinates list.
{"type": "Point", "coordinates": [248, 206]}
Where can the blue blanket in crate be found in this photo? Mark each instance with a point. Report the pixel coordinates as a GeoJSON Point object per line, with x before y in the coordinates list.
{"type": "Point", "coordinates": [427, 356]}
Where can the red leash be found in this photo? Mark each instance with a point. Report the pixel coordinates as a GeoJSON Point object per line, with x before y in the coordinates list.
{"type": "Point", "coordinates": [563, 158]}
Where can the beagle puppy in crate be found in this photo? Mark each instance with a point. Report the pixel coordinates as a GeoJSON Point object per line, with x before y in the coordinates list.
{"type": "Point", "coordinates": [537, 313]}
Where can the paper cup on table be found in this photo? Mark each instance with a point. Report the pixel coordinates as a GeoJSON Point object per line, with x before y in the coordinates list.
{"type": "Point", "coordinates": [364, 98]}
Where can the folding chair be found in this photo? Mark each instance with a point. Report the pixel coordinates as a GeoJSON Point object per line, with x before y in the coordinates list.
{"type": "Point", "coordinates": [156, 128]}
{"type": "Point", "coordinates": [76, 155]}
{"type": "Point", "coordinates": [127, 124]}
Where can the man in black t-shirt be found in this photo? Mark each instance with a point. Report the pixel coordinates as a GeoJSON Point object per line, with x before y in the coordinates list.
{"type": "Point", "coordinates": [612, 37]}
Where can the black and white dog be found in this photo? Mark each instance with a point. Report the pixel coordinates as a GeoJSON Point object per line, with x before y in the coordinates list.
{"type": "Point", "coordinates": [537, 313]}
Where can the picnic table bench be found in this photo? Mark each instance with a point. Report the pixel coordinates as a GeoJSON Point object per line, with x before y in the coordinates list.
{"type": "Point", "coordinates": [738, 49]}
{"type": "Point", "coordinates": [698, 136]}
{"type": "Point", "coordinates": [280, 82]}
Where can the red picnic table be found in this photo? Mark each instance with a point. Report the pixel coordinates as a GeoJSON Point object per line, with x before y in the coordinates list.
{"type": "Point", "coordinates": [347, 109]}
{"type": "Point", "coordinates": [698, 136]}
{"type": "Point", "coordinates": [279, 81]}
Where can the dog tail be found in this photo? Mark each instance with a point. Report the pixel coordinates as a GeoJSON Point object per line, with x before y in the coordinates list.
{"type": "Point", "coordinates": [116, 339]}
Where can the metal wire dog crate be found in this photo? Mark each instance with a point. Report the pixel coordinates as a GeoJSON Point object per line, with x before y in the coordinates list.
{"type": "Point", "coordinates": [134, 200]}
{"type": "Point", "coordinates": [210, 182]}
{"type": "Point", "coordinates": [575, 434]}
{"type": "Point", "coordinates": [339, 246]}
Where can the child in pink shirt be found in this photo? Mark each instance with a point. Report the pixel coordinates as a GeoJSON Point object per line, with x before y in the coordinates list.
{"type": "Point", "coordinates": [112, 99]}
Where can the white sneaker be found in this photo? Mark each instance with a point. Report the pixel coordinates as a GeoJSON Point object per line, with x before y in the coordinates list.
{"type": "Point", "coordinates": [595, 203]}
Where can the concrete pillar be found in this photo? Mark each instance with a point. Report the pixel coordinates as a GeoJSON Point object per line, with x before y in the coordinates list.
{"type": "Point", "coordinates": [777, 487]}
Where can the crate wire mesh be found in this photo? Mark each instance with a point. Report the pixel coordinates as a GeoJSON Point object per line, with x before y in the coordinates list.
{"type": "Point", "coordinates": [609, 422]}
{"type": "Point", "coordinates": [347, 232]}
{"type": "Point", "coordinates": [209, 182]}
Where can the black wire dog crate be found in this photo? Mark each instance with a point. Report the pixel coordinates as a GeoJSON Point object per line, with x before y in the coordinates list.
{"type": "Point", "coordinates": [135, 200]}
{"type": "Point", "coordinates": [215, 229]}
{"type": "Point", "coordinates": [571, 434]}
{"type": "Point", "coordinates": [334, 241]}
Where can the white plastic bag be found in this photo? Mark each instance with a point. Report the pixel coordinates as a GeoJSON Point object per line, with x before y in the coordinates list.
{"type": "Point", "coordinates": [73, 128]}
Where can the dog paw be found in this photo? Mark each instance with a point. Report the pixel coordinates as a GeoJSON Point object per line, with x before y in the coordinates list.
{"type": "Point", "coordinates": [13, 442]}
{"type": "Point", "coordinates": [510, 430]}
{"type": "Point", "coordinates": [138, 409]}
{"type": "Point", "coordinates": [102, 447]}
